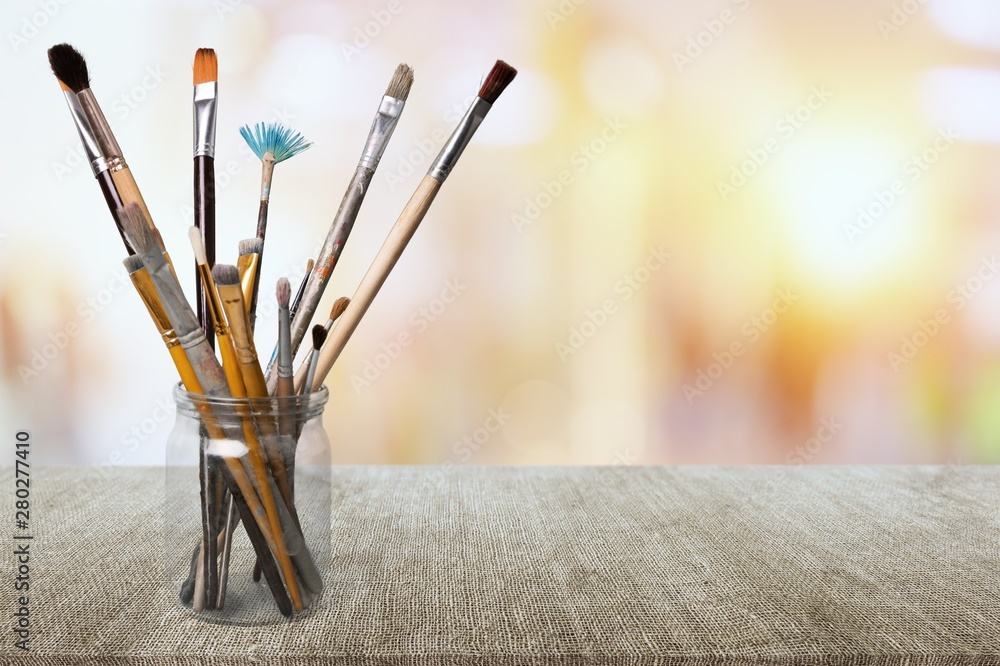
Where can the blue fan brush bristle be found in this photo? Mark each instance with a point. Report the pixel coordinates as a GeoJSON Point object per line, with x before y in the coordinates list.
{"type": "Point", "coordinates": [274, 138]}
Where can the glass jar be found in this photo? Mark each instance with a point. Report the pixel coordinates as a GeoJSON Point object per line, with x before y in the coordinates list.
{"type": "Point", "coordinates": [230, 461]}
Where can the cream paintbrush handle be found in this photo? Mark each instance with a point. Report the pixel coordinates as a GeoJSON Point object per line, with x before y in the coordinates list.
{"type": "Point", "coordinates": [129, 191]}
{"type": "Point", "coordinates": [392, 248]}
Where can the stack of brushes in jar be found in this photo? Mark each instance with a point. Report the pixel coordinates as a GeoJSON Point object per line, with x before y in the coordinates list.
{"type": "Point", "coordinates": [212, 344]}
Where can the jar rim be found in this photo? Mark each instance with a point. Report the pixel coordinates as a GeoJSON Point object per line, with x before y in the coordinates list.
{"type": "Point", "coordinates": [310, 403]}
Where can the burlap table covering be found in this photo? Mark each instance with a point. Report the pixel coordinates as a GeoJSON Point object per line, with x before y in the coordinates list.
{"type": "Point", "coordinates": [693, 566]}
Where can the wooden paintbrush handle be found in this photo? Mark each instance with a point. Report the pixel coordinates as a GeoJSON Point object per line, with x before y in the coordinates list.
{"type": "Point", "coordinates": [390, 252]}
{"type": "Point", "coordinates": [129, 191]}
{"type": "Point", "coordinates": [204, 220]}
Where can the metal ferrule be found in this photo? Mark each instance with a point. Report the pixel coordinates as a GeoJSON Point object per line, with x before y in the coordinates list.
{"type": "Point", "coordinates": [106, 142]}
{"type": "Point", "coordinates": [460, 138]}
{"type": "Point", "coordinates": [90, 147]}
{"type": "Point", "coordinates": [284, 344]}
{"type": "Point", "coordinates": [193, 338]}
{"type": "Point", "coordinates": [385, 121]}
{"type": "Point", "coordinates": [144, 285]}
{"type": "Point", "coordinates": [205, 95]}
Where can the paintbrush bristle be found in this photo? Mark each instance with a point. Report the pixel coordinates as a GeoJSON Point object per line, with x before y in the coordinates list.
{"type": "Point", "coordinates": [339, 306]}
{"type": "Point", "coordinates": [226, 275]}
{"type": "Point", "coordinates": [283, 292]}
{"type": "Point", "coordinates": [274, 138]}
{"type": "Point", "coordinates": [402, 81]}
{"type": "Point", "coordinates": [132, 263]}
{"type": "Point", "coordinates": [198, 245]}
{"type": "Point", "coordinates": [319, 336]}
{"type": "Point", "coordinates": [499, 78]}
{"type": "Point", "coordinates": [251, 246]}
{"type": "Point", "coordinates": [137, 229]}
{"type": "Point", "coordinates": [206, 66]}
{"type": "Point", "coordinates": [69, 67]}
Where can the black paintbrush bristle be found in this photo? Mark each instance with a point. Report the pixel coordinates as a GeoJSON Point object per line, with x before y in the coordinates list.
{"type": "Point", "coordinates": [499, 78]}
{"type": "Point", "coordinates": [69, 67]}
{"type": "Point", "coordinates": [251, 246]}
{"type": "Point", "coordinates": [132, 263]}
{"type": "Point", "coordinates": [319, 336]}
{"type": "Point", "coordinates": [226, 275]}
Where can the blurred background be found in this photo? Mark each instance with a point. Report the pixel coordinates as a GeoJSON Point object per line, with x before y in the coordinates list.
{"type": "Point", "coordinates": [725, 232]}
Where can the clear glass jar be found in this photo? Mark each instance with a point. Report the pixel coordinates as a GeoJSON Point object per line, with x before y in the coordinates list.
{"type": "Point", "coordinates": [218, 452]}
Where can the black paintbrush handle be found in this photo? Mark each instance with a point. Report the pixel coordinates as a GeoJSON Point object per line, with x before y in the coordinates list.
{"type": "Point", "coordinates": [264, 555]}
{"type": "Point", "coordinates": [114, 202]}
{"type": "Point", "coordinates": [204, 219]}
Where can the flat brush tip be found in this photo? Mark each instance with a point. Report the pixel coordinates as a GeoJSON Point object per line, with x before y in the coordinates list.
{"type": "Point", "coordinates": [251, 246]}
{"type": "Point", "coordinates": [319, 336]}
{"type": "Point", "coordinates": [140, 235]}
{"type": "Point", "coordinates": [284, 293]}
{"type": "Point", "coordinates": [226, 275]}
{"type": "Point", "coordinates": [200, 256]}
{"type": "Point", "coordinates": [496, 81]}
{"type": "Point", "coordinates": [70, 67]}
{"type": "Point", "coordinates": [206, 66]}
{"type": "Point", "coordinates": [132, 263]}
{"type": "Point", "coordinates": [402, 81]}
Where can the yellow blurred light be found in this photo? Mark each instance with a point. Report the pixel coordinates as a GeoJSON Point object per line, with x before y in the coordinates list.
{"type": "Point", "coordinates": [854, 214]}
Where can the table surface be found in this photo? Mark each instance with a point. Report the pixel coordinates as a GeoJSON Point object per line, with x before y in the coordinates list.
{"type": "Point", "coordinates": [669, 565]}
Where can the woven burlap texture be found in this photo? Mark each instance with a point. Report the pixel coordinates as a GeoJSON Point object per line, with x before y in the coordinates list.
{"type": "Point", "coordinates": [691, 565]}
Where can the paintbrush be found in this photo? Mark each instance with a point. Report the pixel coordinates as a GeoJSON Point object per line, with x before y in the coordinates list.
{"type": "Point", "coordinates": [234, 377]}
{"type": "Point", "coordinates": [291, 315]}
{"type": "Point", "coordinates": [386, 118]}
{"type": "Point", "coordinates": [272, 144]}
{"type": "Point", "coordinates": [71, 68]}
{"type": "Point", "coordinates": [211, 381]}
{"type": "Point", "coordinates": [286, 383]}
{"type": "Point", "coordinates": [246, 265]}
{"type": "Point", "coordinates": [338, 309]}
{"type": "Point", "coordinates": [318, 337]}
{"type": "Point", "coordinates": [206, 90]}
{"type": "Point", "coordinates": [65, 64]}
{"type": "Point", "coordinates": [228, 286]}
{"type": "Point", "coordinates": [298, 297]}
{"type": "Point", "coordinates": [147, 292]}
{"type": "Point", "coordinates": [498, 79]}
